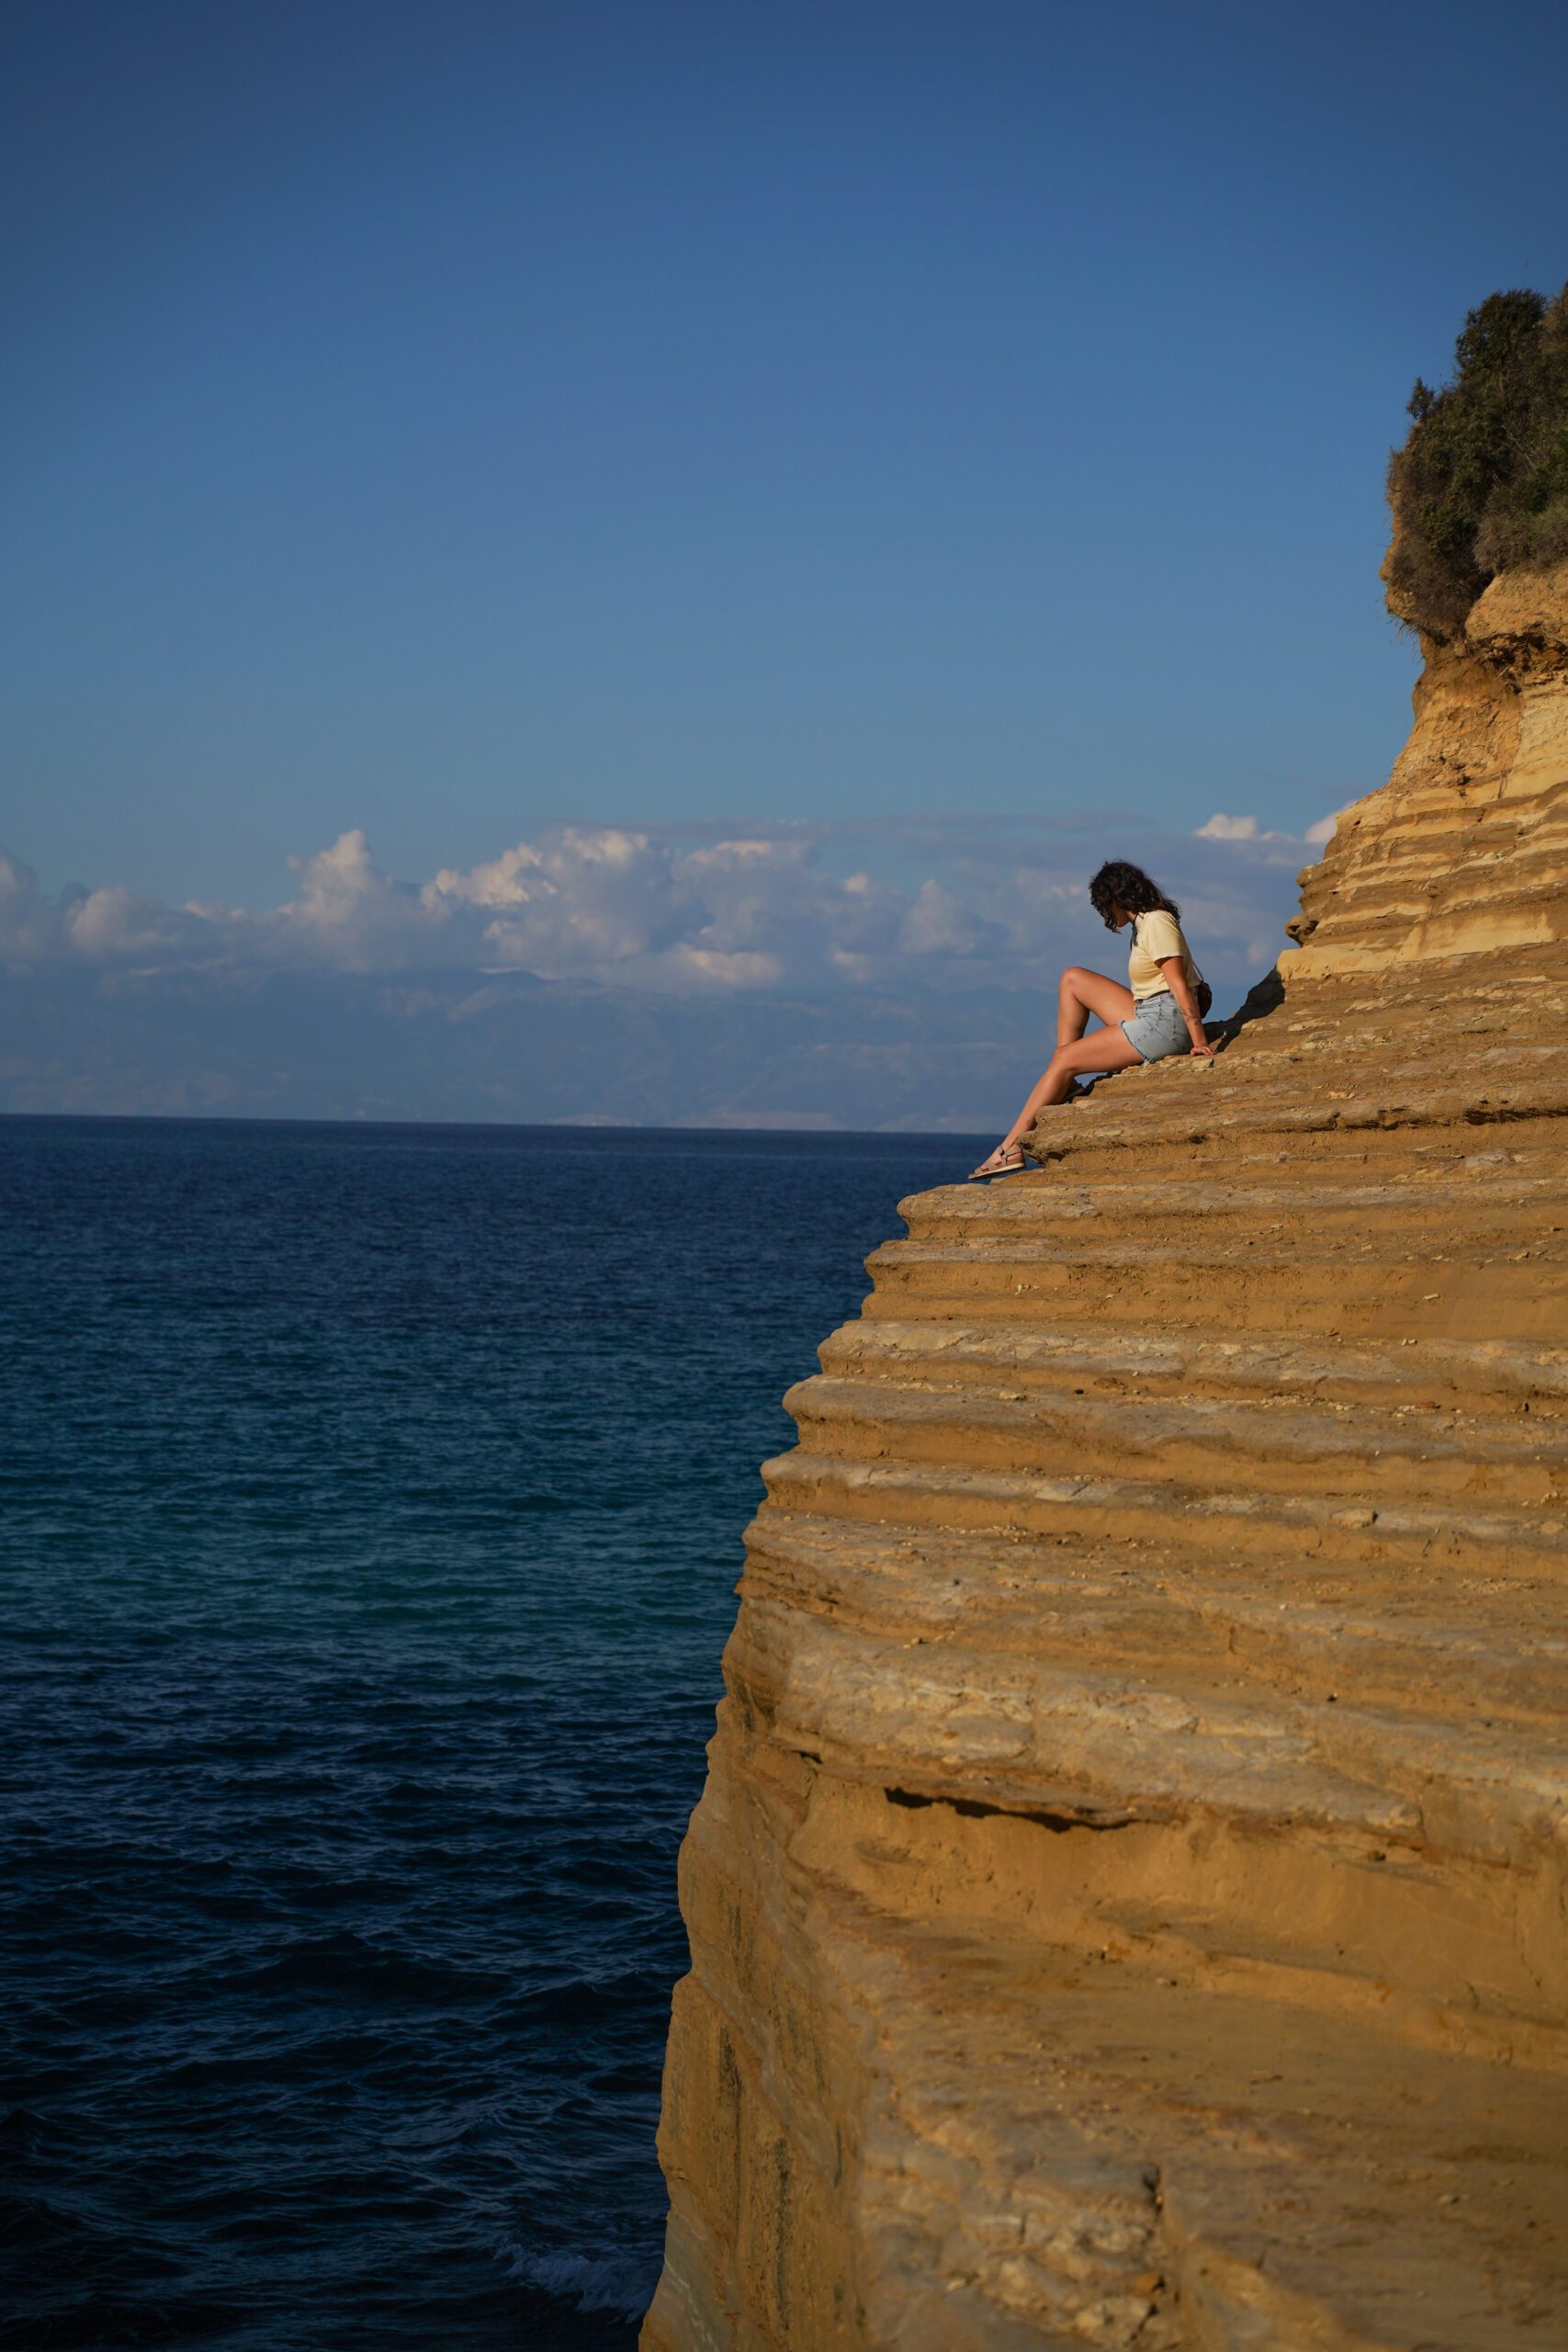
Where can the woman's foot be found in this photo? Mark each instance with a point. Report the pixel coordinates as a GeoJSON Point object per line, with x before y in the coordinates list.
{"type": "Point", "coordinates": [1006, 1160]}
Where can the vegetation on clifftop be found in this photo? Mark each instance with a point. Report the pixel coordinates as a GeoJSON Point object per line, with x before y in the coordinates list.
{"type": "Point", "coordinates": [1481, 486]}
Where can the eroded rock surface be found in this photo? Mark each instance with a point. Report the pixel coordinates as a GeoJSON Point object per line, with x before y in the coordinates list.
{"type": "Point", "coordinates": [1127, 1904]}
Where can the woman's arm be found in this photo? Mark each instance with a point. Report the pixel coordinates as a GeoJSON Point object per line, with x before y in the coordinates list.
{"type": "Point", "coordinates": [1177, 982]}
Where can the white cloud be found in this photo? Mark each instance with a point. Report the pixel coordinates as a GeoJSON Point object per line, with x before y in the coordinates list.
{"type": "Point", "coordinates": [30, 929]}
{"type": "Point", "coordinates": [347, 914]}
{"type": "Point", "coordinates": [932, 902]}
{"type": "Point", "coordinates": [719, 975]}
{"type": "Point", "coordinates": [738, 969]}
{"type": "Point", "coordinates": [1245, 832]}
{"type": "Point", "coordinates": [940, 923]}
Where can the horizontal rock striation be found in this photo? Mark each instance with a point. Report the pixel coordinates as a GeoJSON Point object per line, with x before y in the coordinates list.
{"type": "Point", "coordinates": [1127, 1903]}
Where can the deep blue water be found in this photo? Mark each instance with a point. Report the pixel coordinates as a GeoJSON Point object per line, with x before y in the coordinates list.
{"type": "Point", "coordinates": [370, 1506]}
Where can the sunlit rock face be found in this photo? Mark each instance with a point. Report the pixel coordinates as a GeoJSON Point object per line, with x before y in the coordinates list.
{"type": "Point", "coordinates": [1465, 850]}
{"type": "Point", "coordinates": [1127, 1907]}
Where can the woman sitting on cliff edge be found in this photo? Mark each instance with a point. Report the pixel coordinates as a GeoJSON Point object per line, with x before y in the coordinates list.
{"type": "Point", "coordinates": [1160, 1012]}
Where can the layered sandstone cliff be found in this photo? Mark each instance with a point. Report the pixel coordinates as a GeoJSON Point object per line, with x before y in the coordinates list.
{"type": "Point", "coordinates": [1127, 1904]}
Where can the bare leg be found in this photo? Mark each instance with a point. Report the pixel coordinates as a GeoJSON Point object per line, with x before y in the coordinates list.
{"type": "Point", "coordinates": [1081, 992]}
{"type": "Point", "coordinates": [1107, 1049]}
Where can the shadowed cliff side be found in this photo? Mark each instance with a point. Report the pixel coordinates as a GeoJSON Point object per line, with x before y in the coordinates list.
{"type": "Point", "coordinates": [1127, 1903]}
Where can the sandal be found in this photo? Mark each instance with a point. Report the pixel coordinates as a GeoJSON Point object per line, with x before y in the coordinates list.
{"type": "Point", "coordinates": [1003, 1161]}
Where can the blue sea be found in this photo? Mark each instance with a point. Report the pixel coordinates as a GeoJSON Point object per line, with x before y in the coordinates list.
{"type": "Point", "coordinates": [372, 1505]}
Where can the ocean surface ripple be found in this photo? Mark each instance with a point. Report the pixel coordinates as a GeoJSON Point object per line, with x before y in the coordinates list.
{"type": "Point", "coordinates": [372, 1500]}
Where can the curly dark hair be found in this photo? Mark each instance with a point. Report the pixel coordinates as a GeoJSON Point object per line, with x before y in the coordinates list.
{"type": "Point", "coordinates": [1117, 884]}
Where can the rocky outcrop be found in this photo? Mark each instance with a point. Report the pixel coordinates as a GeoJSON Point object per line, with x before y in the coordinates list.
{"type": "Point", "coordinates": [1127, 1903]}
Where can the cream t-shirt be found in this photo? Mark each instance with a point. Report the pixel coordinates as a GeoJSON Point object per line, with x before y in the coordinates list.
{"type": "Point", "coordinates": [1154, 936]}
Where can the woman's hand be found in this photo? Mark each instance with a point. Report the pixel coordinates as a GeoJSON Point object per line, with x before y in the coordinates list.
{"type": "Point", "coordinates": [1176, 981]}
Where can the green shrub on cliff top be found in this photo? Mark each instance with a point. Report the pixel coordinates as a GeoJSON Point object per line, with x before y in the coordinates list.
{"type": "Point", "coordinates": [1481, 486]}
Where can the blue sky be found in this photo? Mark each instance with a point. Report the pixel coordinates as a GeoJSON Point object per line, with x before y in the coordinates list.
{"type": "Point", "coordinates": [444, 418]}
{"type": "Point", "coordinates": [454, 423]}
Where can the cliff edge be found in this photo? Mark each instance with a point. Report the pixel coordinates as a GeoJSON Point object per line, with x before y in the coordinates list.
{"type": "Point", "coordinates": [1127, 1903]}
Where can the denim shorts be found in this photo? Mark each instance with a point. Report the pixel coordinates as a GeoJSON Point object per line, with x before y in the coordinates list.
{"type": "Point", "coordinates": [1159, 1027]}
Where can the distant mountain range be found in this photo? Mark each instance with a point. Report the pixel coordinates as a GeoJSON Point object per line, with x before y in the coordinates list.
{"type": "Point", "coordinates": [508, 1046]}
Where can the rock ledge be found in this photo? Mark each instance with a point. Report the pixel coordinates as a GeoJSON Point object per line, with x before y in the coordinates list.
{"type": "Point", "coordinates": [1127, 1903]}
